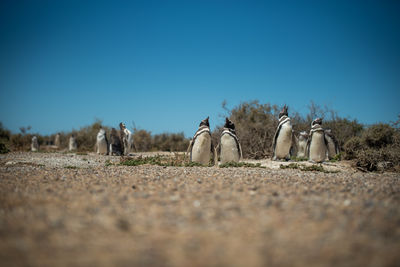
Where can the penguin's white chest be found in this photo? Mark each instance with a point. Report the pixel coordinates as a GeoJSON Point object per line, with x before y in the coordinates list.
{"type": "Point", "coordinates": [101, 145]}
{"type": "Point", "coordinates": [72, 144]}
{"type": "Point", "coordinates": [283, 141]}
{"type": "Point", "coordinates": [201, 150]}
{"type": "Point", "coordinates": [302, 148]}
{"type": "Point", "coordinates": [34, 145]}
{"type": "Point", "coordinates": [318, 147]}
{"type": "Point", "coordinates": [229, 149]}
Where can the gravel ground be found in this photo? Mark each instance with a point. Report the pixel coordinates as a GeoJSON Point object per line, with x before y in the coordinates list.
{"type": "Point", "coordinates": [72, 210]}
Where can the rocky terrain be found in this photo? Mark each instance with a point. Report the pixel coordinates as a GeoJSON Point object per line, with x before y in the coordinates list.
{"type": "Point", "coordinates": [60, 209]}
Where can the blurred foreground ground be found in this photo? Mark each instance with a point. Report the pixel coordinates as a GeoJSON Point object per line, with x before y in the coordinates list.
{"type": "Point", "coordinates": [72, 210]}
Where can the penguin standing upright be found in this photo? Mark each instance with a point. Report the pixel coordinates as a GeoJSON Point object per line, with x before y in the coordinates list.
{"type": "Point", "coordinates": [35, 144]}
{"type": "Point", "coordinates": [72, 143]}
{"type": "Point", "coordinates": [57, 141]}
{"type": "Point", "coordinates": [201, 146]}
{"type": "Point", "coordinates": [127, 139]}
{"type": "Point", "coordinates": [229, 144]}
{"type": "Point", "coordinates": [115, 143]}
{"type": "Point", "coordinates": [283, 136]}
{"type": "Point", "coordinates": [332, 144]}
{"type": "Point", "coordinates": [302, 144]}
{"type": "Point", "coordinates": [102, 142]}
{"type": "Point", "coordinates": [316, 145]}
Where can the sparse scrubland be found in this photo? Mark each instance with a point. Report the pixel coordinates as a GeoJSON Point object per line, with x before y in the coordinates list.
{"type": "Point", "coordinates": [371, 148]}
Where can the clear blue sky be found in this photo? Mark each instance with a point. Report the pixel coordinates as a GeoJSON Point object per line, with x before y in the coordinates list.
{"type": "Point", "coordinates": [166, 65]}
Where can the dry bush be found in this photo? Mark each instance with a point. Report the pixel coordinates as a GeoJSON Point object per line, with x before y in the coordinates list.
{"type": "Point", "coordinates": [170, 142]}
{"type": "Point", "coordinates": [378, 148]}
{"type": "Point", "coordinates": [142, 140]}
{"type": "Point", "coordinates": [5, 136]}
{"type": "Point", "coordinates": [378, 135]}
{"type": "Point", "coordinates": [352, 146]}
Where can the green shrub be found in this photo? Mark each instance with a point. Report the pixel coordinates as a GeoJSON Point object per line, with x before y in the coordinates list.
{"type": "Point", "coordinates": [352, 146]}
{"type": "Point", "coordinates": [379, 135]}
{"type": "Point", "coordinates": [3, 149]}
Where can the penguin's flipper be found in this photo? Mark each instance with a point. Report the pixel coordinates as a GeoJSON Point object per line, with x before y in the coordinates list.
{"type": "Point", "coordinates": [240, 151]}
{"type": "Point", "coordinates": [308, 145]}
{"type": "Point", "coordinates": [274, 141]}
{"type": "Point", "coordinates": [335, 141]}
{"type": "Point", "coordinates": [294, 147]}
{"type": "Point", "coordinates": [325, 140]}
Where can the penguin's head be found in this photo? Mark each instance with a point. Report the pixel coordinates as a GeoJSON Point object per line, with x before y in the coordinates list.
{"type": "Point", "coordinates": [102, 131]}
{"type": "Point", "coordinates": [122, 125]}
{"type": "Point", "coordinates": [229, 124]}
{"type": "Point", "coordinates": [205, 122]}
{"type": "Point", "coordinates": [317, 121]}
{"type": "Point", "coordinates": [284, 111]}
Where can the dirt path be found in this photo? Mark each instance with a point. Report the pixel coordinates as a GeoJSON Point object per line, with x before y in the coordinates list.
{"type": "Point", "coordinates": [74, 210]}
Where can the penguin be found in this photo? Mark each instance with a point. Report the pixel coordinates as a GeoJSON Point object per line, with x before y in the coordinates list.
{"type": "Point", "coordinates": [302, 144]}
{"type": "Point", "coordinates": [316, 144]}
{"type": "Point", "coordinates": [72, 143]}
{"type": "Point", "coordinates": [115, 143]}
{"type": "Point", "coordinates": [201, 146]}
{"type": "Point", "coordinates": [332, 144]}
{"type": "Point", "coordinates": [127, 139]}
{"type": "Point", "coordinates": [283, 137]}
{"type": "Point", "coordinates": [57, 141]}
{"type": "Point", "coordinates": [102, 142]}
{"type": "Point", "coordinates": [231, 150]}
{"type": "Point", "coordinates": [35, 144]}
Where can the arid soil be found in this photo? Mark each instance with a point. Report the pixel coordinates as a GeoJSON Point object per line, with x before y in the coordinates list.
{"type": "Point", "coordinates": [86, 210]}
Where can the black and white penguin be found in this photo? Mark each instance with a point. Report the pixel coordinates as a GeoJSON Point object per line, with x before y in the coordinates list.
{"type": "Point", "coordinates": [72, 143]}
{"type": "Point", "coordinates": [231, 150]}
{"type": "Point", "coordinates": [316, 145]}
{"type": "Point", "coordinates": [283, 136]}
{"type": "Point", "coordinates": [201, 147]}
{"type": "Point", "coordinates": [102, 142]}
{"type": "Point", "coordinates": [115, 143]}
{"type": "Point", "coordinates": [57, 141]}
{"type": "Point", "coordinates": [34, 144]}
{"type": "Point", "coordinates": [127, 139]}
{"type": "Point", "coordinates": [332, 144]}
{"type": "Point", "coordinates": [302, 144]}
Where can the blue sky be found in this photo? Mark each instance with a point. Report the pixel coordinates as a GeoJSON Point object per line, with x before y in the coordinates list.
{"type": "Point", "coordinates": [166, 65]}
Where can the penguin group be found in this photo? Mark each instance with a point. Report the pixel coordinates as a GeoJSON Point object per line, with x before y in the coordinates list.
{"type": "Point", "coordinates": [201, 148]}
{"type": "Point", "coordinates": [121, 143]}
{"type": "Point", "coordinates": [318, 145]}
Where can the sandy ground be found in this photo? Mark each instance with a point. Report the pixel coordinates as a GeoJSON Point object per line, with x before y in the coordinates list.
{"type": "Point", "coordinates": [72, 210]}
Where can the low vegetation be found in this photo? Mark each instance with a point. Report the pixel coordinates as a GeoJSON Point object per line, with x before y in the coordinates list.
{"type": "Point", "coordinates": [311, 168]}
{"type": "Point", "coordinates": [178, 160]}
{"type": "Point", "coordinates": [241, 164]}
{"type": "Point", "coordinates": [376, 149]}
